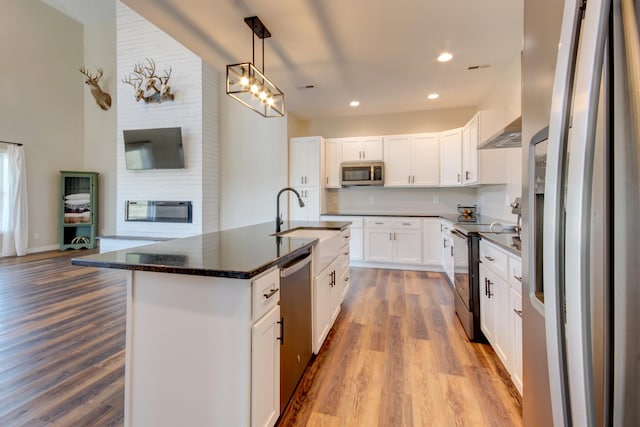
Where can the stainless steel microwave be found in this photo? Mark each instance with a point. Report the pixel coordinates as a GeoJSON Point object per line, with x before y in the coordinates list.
{"type": "Point", "coordinates": [362, 173]}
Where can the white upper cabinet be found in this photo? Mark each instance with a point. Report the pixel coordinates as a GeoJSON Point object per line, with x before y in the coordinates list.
{"type": "Point", "coordinates": [305, 161]}
{"type": "Point", "coordinates": [333, 158]}
{"type": "Point", "coordinates": [451, 157]}
{"type": "Point", "coordinates": [397, 161]}
{"type": "Point", "coordinates": [362, 148]}
{"type": "Point", "coordinates": [470, 152]}
{"type": "Point", "coordinates": [426, 159]}
{"type": "Point", "coordinates": [412, 160]}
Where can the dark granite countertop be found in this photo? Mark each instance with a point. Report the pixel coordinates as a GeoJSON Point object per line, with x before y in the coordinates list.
{"type": "Point", "coordinates": [504, 240]}
{"type": "Point", "coordinates": [239, 253]}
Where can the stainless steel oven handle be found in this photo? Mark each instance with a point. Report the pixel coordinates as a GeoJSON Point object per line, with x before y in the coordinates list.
{"type": "Point", "coordinates": [458, 234]}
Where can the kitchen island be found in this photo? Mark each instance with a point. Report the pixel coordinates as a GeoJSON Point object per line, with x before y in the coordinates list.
{"type": "Point", "coordinates": [203, 324]}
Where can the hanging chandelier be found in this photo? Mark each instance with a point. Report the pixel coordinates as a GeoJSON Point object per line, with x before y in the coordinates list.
{"type": "Point", "coordinates": [247, 84]}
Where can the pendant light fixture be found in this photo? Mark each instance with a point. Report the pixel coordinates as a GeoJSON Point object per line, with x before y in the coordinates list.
{"type": "Point", "coordinates": [247, 84]}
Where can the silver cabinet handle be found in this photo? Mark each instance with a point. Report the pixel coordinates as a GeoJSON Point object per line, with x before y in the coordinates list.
{"type": "Point", "coordinates": [406, 223]}
{"type": "Point", "coordinates": [466, 175]}
{"type": "Point", "coordinates": [327, 180]}
{"type": "Point", "coordinates": [345, 253]}
{"type": "Point", "coordinates": [346, 279]}
{"type": "Point", "coordinates": [518, 278]}
{"type": "Point", "coordinates": [409, 179]}
{"type": "Point", "coordinates": [489, 285]}
{"type": "Point", "coordinates": [459, 180]}
{"type": "Point", "coordinates": [489, 258]}
{"type": "Point", "coordinates": [281, 337]}
{"type": "Point", "coordinates": [518, 312]}
{"type": "Point", "coordinates": [271, 293]}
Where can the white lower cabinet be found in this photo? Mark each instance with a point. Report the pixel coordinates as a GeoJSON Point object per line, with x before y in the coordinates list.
{"type": "Point", "coordinates": [396, 240]}
{"type": "Point", "coordinates": [446, 246]}
{"type": "Point", "coordinates": [329, 289]}
{"type": "Point", "coordinates": [431, 242]}
{"type": "Point", "coordinates": [265, 368]}
{"type": "Point", "coordinates": [501, 307]}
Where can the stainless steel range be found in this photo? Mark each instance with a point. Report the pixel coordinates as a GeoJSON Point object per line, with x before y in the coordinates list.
{"type": "Point", "coordinates": [466, 249]}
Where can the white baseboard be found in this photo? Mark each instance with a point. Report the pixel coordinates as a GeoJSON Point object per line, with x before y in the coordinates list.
{"type": "Point", "coordinates": [43, 249]}
{"type": "Point", "coordinates": [394, 266]}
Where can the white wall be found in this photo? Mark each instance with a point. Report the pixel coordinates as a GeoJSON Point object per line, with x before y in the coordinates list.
{"type": "Point", "coordinates": [506, 95]}
{"type": "Point", "coordinates": [42, 104]}
{"type": "Point", "coordinates": [100, 127]}
{"type": "Point", "coordinates": [254, 164]}
{"type": "Point", "coordinates": [392, 124]}
{"type": "Point", "coordinates": [194, 110]}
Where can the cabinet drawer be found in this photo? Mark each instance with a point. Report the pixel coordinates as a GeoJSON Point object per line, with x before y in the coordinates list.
{"type": "Point", "coordinates": [494, 259]}
{"type": "Point", "coordinates": [410, 223]}
{"type": "Point", "coordinates": [379, 222]}
{"type": "Point", "coordinates": [265, 293]}
{"type": "Point", "coordinates": [515, 274]}
{"type": "Point", "coordinates": [345, 236]}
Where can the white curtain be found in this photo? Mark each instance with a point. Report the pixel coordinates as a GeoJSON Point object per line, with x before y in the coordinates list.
{"type": "Point", "coordinates": [15, 228]}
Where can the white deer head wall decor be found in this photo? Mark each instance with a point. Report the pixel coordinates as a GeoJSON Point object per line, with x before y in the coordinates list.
{"type": "Point", "coordinates": [103, 99]}
{"type": "Point", "coordinates": [148, 85]}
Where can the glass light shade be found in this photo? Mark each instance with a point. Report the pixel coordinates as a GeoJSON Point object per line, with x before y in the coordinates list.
{"type": "Point", "coordinates": [258, 93]}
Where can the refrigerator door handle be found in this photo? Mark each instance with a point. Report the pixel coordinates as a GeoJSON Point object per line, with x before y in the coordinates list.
{"type": "Point", "coordinates": [553, 233]}
{"type": "Point", "coordinates": [579, 190]}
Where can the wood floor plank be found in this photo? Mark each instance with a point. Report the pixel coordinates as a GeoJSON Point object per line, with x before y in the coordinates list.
{"type": "Point", "coordinates": [397, 355]}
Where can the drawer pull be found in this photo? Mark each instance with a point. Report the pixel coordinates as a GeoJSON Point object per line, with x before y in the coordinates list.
{"type": "Point", "coordinates": [518, 312]}
{"type": "Point", "coordinates": [271, 293]}
{"type": "Point", "coordinates": [518, 278]}
{"type": "Point", "coordinates": [489, 258]}
{"type": "Point", "coordinates": [379, 223]}
{"type": "Point", "coordinates": [345, 253]}
{"type": "Point", "coordinates": [406, 223]}
{"type": "Point", "coordinates": [346, 279]}
{"type": "Point", "coordinates": [347, 236]}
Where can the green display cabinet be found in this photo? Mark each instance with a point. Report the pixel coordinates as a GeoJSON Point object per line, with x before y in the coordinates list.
{"type": "Point", "coordinates": [78, 210]}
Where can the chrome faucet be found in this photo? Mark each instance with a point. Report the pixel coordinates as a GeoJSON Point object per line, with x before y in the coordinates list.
{"type": "Point", "coordinates": [278, 219]}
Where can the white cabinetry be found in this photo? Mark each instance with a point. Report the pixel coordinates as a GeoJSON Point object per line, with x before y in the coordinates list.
{"type": "Point", "coordinates": [447, 249]}
{"type": "Point", "coordinates": [311, 209]}
{"type": "Point", "coordinates": [329, 288]}
{"type": "Point", "coordinates": [412, 160]}
{"type": "Point", "coordinates": [265, 364]}
{"type": "Point", "coordinates": [213, 338]}
{"type": "Point", "coordinates": [362, 148]}
{"type": "Point", "coordinates": [393, 240]}
{"type": "Point", "coordinates": [265, 350]}
{"type": "Point", "coordinates": [333, 158]}
{"type": "Point", "coordinates": [431, 242]}
{"type": "Point", "coordinates": [305, 164]}
{"type": "Point", "coordinates": [451, 157]}
{"type": "Point", "coordinates": [470, 152]}
{"type": "Point", "coordinates": [501, 306]}
{"type": "Point", "coordinates": [515, 281]}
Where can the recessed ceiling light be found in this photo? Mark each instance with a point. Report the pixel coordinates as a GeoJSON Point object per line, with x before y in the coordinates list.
{"type": "Point", "coordinates": [354, 103]}
{"type": "Point", "coordinates": [445, 56]}
{"type": "Point", "coordinates": [433, 96]}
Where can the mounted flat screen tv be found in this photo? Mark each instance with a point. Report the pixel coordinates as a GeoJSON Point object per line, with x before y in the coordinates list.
{"type": "Point", "coordinates": [153, 148]}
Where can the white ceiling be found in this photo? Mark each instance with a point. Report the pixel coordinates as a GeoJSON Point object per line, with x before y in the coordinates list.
{"type": "Point", "coordinates": [382, 53]}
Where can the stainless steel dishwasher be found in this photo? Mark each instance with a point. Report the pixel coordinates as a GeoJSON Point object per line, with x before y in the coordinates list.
{"type": "Point", "coordinates": [295, 310]}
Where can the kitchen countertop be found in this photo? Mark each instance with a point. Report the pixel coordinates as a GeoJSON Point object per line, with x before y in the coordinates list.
{"type": "Point", "coordinates": [503, 240]}
{"type": "Point", "coordinates": [239, 253]}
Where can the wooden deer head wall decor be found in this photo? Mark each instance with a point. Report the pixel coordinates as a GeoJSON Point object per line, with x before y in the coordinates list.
{"type": "Point", "coordinates": [148, 85]}
{"type": "Point", "coordinates": [103, 99]}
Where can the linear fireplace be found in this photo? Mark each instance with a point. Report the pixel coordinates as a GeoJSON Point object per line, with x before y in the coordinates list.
{"type": "Point", "coordinates": [158, 211]}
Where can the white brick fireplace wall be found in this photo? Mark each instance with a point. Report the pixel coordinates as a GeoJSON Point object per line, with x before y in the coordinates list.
{"type": "Point", "coordinates": [195, 109]}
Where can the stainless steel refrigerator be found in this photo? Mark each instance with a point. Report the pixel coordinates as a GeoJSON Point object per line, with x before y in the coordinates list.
{"type": "Point", "coordinates": [581, 240]}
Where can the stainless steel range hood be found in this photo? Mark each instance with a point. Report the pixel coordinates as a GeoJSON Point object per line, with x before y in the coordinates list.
{"type": "Point", "coordinates": [510, 136]}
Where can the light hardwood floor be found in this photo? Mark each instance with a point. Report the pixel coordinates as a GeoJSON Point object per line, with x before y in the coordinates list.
{"type": "Point", "coordinates": [396, 357]}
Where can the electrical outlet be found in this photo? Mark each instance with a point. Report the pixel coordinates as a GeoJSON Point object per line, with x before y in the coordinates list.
{"type": "Point", "coordinates": [372, 200]}
{"type": "Point", "coordinates": [436, 200]}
